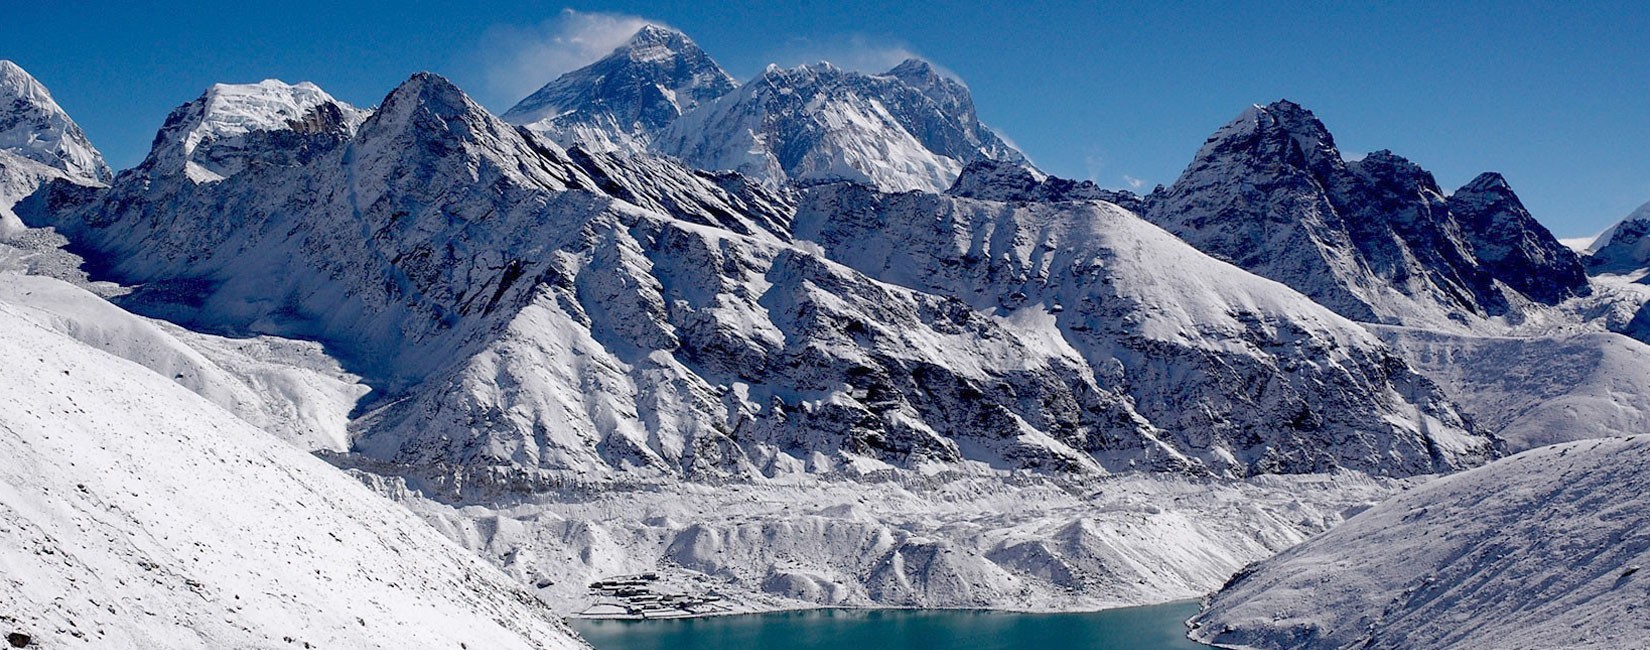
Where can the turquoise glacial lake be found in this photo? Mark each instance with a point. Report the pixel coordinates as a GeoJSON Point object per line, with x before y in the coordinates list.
{"type": "Point", "coordinates": [1156, 627]}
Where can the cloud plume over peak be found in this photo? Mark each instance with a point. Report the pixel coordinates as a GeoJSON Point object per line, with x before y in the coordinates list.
{"type": "Point", "coordinates": [856, 52]}
{"type": "Point", "coordinates": [519, 59]}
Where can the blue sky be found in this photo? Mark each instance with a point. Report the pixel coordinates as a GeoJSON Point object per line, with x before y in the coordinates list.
{"type": "Point", "coordinates": [1554, 95]}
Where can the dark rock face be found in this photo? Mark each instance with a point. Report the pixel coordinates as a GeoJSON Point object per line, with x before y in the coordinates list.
{"type": "Point", "coordinates": [999, 180]}
{"type": "Point", "coordinates": [1370, 238]}
{"type": "Point", "coordinates": [1511, 246]}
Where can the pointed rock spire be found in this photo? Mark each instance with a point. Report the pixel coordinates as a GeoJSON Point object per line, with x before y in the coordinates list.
{"type": "Point", "coordinates": [1512, 246]}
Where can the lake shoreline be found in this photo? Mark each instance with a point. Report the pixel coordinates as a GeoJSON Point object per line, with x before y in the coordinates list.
{"type": "Point", "coordinates": [1159, 626]}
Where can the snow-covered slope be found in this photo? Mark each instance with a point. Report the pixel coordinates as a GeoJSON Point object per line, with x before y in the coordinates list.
{"type": "Point", "coordinates": [19, 178]}
{"type": "Point", "coordinates": [138, 515]}
{"type": "Point", "coordinates": [909, 128]}
{"type": "Point", "coordinates": [619, 102]}
{"type": "Point", "coordinates": [1541, 550]}
{"type": "Point", "coordinates": [33, 126]}
{"type": "Point", "coordinates": [1536, 391]}
{"type": "Point", "coordinates": [1374, 239]}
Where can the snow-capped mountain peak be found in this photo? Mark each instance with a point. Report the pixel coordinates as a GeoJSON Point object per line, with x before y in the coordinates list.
{"type": "Point", "coordinates": [33, 126]}
{"type": "Point", "coordinates": [909, 128]}
{"type": "Point", "coordinates": [618, 102]}
{"type": "Point", "coordinates": [1271, 128]}
{"type": "Point", "coordinates": [207, 136]}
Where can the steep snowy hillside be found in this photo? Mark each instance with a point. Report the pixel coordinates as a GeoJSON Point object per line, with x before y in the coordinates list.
{"type": "Point", "coordinates": [1537, 391]}
{"type": "Point", "coordinates": [138, 515]}
{"type": "Point", "coordinates": [909, 128]}
{"type": "Point", "coordinates": [1374, 239]}
{"type": "Point", "coordinates": [1540, 550]}
{"type": "Point", "coordinates": [33, 126]}
{"type": "Point", "coordinates": [621, 101]}
{"type": "Point", "coordinates": [19, 178]}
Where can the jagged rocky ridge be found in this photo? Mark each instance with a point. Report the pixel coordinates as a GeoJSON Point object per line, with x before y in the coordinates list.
{"type": "Point", "coordinates": [911, 127]}
{"type": "Point", "coordinates": [1374, 239]}
{"type": "Point", "coordinates": [509, 310]}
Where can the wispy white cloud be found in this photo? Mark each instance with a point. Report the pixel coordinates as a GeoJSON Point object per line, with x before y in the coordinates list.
{"type": "Point", "coordinates": [1134, 183]}
{"type": "Point", "coordinates": [1093, 163]}
{"type": "Point", "coordinates": [515, 60]}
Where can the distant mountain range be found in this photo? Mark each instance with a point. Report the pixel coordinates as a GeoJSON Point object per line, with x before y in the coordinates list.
{"type": "Point", "coordinates": [651, 287]}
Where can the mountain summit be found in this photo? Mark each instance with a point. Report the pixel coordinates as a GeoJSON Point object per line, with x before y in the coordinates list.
{"type": "Point", "coordinates": [618, 102]}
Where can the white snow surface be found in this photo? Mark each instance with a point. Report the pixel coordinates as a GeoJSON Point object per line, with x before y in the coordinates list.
{"type": "Point", "coordinates": [1540, 550]}
{"type": "Point", "coordinates": [134, 514]}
